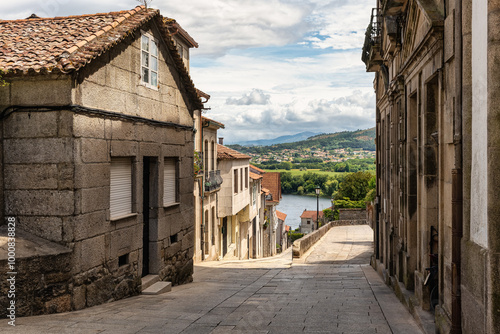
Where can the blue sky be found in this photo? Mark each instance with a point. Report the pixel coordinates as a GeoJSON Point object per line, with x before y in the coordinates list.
{"type": "Point", "coordinates": [272, 67]}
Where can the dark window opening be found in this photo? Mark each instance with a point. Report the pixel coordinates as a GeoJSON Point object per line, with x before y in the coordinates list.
{"type": "Point", "coordinates": [122, 260]}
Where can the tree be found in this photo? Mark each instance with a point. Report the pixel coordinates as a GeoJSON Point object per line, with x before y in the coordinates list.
{"type": "Point", "coordinates": [355, 186]}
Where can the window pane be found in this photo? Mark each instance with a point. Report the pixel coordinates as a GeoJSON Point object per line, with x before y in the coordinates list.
{"type": "Point", "coordinates": [145, 43]}
{"type": "Point", "coordinates": [154, 78]}
{"type": "Point", "coordinates": [154, 48]}
{"type": "Point", "coordinates": [154, 64]}
{"type": "Point", "coordinates": [145, 74]}
{"type": "Point", "coordinates": [145, 59]}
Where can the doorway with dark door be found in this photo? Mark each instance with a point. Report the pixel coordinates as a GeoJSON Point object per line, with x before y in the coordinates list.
{"type": "Point", "coordinates": [224, 236]}
{"type": "Point", "coordinates": [149, 197]}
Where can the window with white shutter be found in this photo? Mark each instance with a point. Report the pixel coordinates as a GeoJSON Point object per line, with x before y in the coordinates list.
{"type": "Point", "coordinates": [170, 182]}
{"type": "Point", "coordinates": [120, 187]}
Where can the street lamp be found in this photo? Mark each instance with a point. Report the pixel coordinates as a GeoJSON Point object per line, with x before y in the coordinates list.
{"type": "Point", "coordinates": [333, 208]}
{"type": "Point", "coordinates": [317, 189]}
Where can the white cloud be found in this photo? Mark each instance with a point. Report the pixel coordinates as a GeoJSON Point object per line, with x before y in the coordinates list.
{"type": "Point", "coordinates": [272, 67]}
{"type": "Point", "coordinates": [256, 96]}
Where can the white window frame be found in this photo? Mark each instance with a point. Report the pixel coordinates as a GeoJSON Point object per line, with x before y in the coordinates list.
{"type": "Point", "coordinates": [170, 180]}
{"type": "Point", "coordinates": [148, 59]}
{"type": "Point", "coordinates": [121, 188]}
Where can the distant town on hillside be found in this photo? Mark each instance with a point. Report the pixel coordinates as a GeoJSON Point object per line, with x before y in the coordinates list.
{"type": "Point", "coordinates": [345, 151]}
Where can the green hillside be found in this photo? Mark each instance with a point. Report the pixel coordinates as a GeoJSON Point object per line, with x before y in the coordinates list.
{"type": "Point", "coordinates": [364, 139]}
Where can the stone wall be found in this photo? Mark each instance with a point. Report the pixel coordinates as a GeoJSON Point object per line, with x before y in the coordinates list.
{"type": "Point", "coordinates": [352, 214]}
{"type": "Point", "coordinates": [302, 245]}
{"type": "Point", "coordinates": [57, 187]}
{"type": "Point", "coordinates": [56, 178]}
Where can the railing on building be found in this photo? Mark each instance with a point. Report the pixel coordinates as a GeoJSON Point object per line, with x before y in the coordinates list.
{"type": "Point", "coordinates": [371, 47]}
{"type": "Point", "coordinates": [213, 180]}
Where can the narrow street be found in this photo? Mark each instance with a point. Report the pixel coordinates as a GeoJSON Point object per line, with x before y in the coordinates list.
{"type": "Point", "coordinates": [331, 290]}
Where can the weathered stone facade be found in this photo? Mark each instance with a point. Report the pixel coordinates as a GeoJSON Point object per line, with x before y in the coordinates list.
{"type": "Point", "coordinates": [57, 151]}
{"type": "Point", "coordinates": [436, 65]}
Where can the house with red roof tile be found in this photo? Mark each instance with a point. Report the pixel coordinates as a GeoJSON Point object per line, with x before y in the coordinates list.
{"type": "Point", "coordinates": [257, 205]}
{"type": "Point", "coordinates": [272, 183]}
{"type": "Point", "coordinates": [308, 220]}
{"type": "Point", "coordinates": [281, 231]}
{"type": "Point", "coordinates": [207, 185]}
{"type": "Point", "coordinates": [234, 201]}
{"type": "Point", "coordinates": [97, 155]}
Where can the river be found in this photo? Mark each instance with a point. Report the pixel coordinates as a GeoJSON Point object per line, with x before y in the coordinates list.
{"type": "Point", "coordinates": [294, 205]}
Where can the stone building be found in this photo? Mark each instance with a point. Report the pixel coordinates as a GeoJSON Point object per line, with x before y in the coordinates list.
{"type": "Point", "coordinates": [437, 236]}
{"type": "Point", "coordinates": [206, 191]}
{"type": "Point", "coordinates": [97, 157]}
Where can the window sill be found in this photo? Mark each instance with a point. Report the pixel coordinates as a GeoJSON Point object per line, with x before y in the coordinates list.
{"type": "Point", "coordinates": [115, 219]}
{"type": "Point", "coordinates": [144, 84]}
{"type": "Point", "coordinates": [166, 206]}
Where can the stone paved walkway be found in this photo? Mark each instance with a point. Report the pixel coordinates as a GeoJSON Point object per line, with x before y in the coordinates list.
{"type": "Point", "coordinates": [332, 289]}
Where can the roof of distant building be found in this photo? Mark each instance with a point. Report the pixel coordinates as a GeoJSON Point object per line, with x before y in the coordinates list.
{"type": "Point", "coordinates": [62, 45]}
{"type": "Point", "coordinates": [272, 181]}
{"type": "Point", "coordinates": [208, 122]}
{"type": "Point", "coordinates": [257, 170]}
{"type": "Point", "coordinates": [311, 214]}
{"type": "Point", "coordinates": [226, 153]}
{"type": "Point", "coordinates": [255, 176]}
{"type": "Point", "coordinates": [281, 215]}
{"type": "Point", "coordinates": [175, 28]}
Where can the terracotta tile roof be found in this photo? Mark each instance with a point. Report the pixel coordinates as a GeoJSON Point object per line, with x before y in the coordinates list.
{"type": "Point", "coordinates": [311, 214]}
{"type": "Point", "coordinates": [207, 121]}
{"type": "Point", "coordinates": [226, 153]}
{"type": "Point", "coordinates": [202, 94]}
{"type": "Point", "coordinates": [175, 28]}
{"type": "Point", "coordinates": [272, 181]}
{"type": "Point", "coordinates": [61, 44]}
{"type": "Point", "coordinates": [281, 215]}
{"type": "Point", "coordinates": [67, 44]}
{"type": "Point", "coordinates": [264, 190]}
{"type": "Point", "coordinates": [255, 176]}
{"type": "Point", "coordinates": [287, 228]}
{"type": "Point", "coordinates": [257, 170]}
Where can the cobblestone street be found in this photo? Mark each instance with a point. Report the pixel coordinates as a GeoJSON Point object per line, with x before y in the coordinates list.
{"type": "Point", "coordinates": [332, 289]}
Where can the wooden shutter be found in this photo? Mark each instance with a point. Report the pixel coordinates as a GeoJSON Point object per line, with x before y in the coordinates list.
{"type": "Point", "coordinates": [120, 187]}
{"type": "Point", "coordinates": [170, 182]}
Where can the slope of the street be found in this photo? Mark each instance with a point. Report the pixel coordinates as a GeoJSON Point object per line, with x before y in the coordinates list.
{"type": "Point", "coordinates": [332, 289]}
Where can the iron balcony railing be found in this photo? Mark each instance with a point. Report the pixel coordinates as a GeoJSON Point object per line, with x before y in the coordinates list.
{"type": "Point", "coordinates": [213, 180]}
{"type": "Point", "coordinates": [372, 35]}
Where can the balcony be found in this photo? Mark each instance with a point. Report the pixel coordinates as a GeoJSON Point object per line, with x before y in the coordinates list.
{"type": "Point", "coordinates": [371, 55]}
{"type": "Point", "coordinates": [213, 180]}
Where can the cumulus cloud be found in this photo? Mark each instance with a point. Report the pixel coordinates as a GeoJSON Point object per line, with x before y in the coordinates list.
{"type": "Point", "coordinates": [256, 96]}
{"type": "Point", "coordinates": [355, 110]}
{"type": "Point", "coordinates": [303, 55]}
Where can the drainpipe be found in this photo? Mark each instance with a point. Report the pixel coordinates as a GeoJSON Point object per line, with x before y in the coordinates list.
{"type": "Point", "coordinates": [457, 182]}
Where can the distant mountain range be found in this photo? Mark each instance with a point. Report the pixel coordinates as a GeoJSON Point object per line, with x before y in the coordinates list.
{"type": "Point", "coordinates": [364, 139]}
{"type": "Point", "coordinates": [279, 140]}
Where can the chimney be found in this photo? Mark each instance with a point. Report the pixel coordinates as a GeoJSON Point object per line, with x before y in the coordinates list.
{"type": "Point", "coordinates": [221, 140]}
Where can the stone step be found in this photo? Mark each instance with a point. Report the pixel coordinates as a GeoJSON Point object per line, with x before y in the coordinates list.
{"type": "Point", "coordinates": [149, 280]}
{"type": "Point", "coordinates": [158, 288]}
